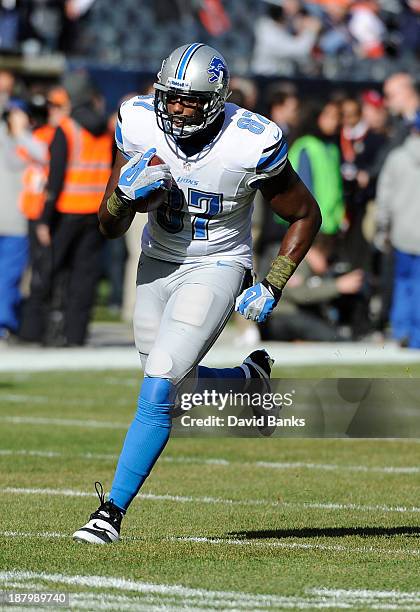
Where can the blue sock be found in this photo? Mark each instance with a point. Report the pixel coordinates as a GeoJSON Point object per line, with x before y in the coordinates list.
{"type": "Point", "coordinates": [145, 440]}
{"type": "Point", "coordinates": [219, 377]}
{"type": "Point", "coordinates": [234, 373]}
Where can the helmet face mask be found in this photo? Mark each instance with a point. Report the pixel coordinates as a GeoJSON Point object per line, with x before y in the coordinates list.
{"type": "Point", "coordinates": [197, 77]}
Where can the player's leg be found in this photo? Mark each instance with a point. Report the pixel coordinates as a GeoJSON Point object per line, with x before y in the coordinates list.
{"type": "Point", "coordinates": [201, 300]}
{"type": "Point", "coordinates": [198, 309]}
{"type": "Point", "coordinates": [142, 438]}
{"type": "Point", "coordinates": [257, 364]}
{"type": "Point", "coordinates": [195, 316]}
{"type": "Point", "coordinates": [198, 306]}
{"type": "Point", "coordinates": [258, 361]}
{"type": "Point", "coordinates": [255, 369]}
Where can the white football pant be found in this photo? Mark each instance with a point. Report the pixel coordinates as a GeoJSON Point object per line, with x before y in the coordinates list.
{"type": "Point", "coordinates": [180, 311]}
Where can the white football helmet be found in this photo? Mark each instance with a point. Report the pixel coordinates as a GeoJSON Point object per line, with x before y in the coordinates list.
{"type": "Point", "coordinates": [194, 71]}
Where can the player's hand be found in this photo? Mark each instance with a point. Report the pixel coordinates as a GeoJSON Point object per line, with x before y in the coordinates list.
{"type": "Point", "coordinates": [138, 180]}
{"type": "Point", "coordinates": [257, 302]}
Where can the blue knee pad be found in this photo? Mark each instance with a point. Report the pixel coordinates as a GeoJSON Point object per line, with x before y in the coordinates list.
{"type": "Point", "coordinates": [155, 403]}
{"type": "Point", "coordinates": [145, 439]}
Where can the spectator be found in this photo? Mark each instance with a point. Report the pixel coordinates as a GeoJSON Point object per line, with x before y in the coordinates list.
{"type": "Point", "coordinates": [403, 100]}
{"type": "Point", "coordinates": [13, 227]}
{"type": "Point", "coordinates": [247, 89]}
{"type": "Point", "coordinates": [374, 113]}
{"type": "Point", "coordinates": [73, 21]}
{"type": "Point", "coordinates": [35, 308]}
{"type": "Point", "coordinates": [302, 313]}
{"type": "Point", "coordinates": [410, 27]}
{"type": "Point", "coordinates": [335, 38]}
{"type": "Point", "coordinates": [284, 109]}
{"type": "Point", "coordinates": [398, 225]}
{"type": "Point", "coordinates": [316, 158]}
{"type": "Point", "coordinates": [41, 25]}
{"type": "Point", "coordinates": [352, 137]}
{"type": "Point", "coordinates": [213, 17]}
{"type": "Point", "coordinates": [7, 84]}
{"type": "Point", "coordinates": [360, 147]}
{"type": "Point", "coordinates": [9, 25]}
{"type": "Point", "coordinates": [367, 29]}
{"type": "Point", "coordinates": [275, 45]}
{"type": "Point", "coordinates": [293, 11]}
{"type": "Point", "coordinates": [79, 169]}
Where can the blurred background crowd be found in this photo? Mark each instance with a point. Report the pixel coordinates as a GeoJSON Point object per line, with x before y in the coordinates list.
{"type": "Point", "coordinates": [339, 78]}
{"type": "Point", "coordinates": [309, 37]}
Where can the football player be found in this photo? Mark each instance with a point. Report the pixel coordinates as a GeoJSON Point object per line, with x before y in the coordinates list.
{"type": "Point", "coordinates": [196, 247]}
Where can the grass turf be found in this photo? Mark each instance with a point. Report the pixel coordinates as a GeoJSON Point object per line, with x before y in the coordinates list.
{"type": "Point", "coordinates": [212, 517]}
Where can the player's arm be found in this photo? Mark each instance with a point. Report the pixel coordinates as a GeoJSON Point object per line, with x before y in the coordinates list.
{"type": "Point", "coordinates": [290, 199]}
{"type": "Point", "coordinates": [111, 225]}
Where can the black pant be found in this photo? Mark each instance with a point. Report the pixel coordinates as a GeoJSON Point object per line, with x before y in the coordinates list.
{"type": "Point", "coordinates": [76, 251]}
{"type": "Point", "coordinates": [300, 325]}
{"type": "Point", "coordinates": [35, 307]}
{"type": "Point", "coordinates": [62, 302]}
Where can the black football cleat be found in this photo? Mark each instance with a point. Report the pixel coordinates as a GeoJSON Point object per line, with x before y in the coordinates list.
{"type": "Point", "coordinates": [259, 364]}
{"type": "Point", "coordinates": [257, 367]}
{"type": "Point", "coordinates": [104, 525]}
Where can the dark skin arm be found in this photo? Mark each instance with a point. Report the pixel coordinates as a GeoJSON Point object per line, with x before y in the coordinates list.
{"type": "Point", "coordinates": [291, 200]}
{"type": "Point", "coordinates": [110, 226]}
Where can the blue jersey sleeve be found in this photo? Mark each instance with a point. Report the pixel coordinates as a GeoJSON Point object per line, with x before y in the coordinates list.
{"type": "Point", "coordinates": [118, 134]}
{"type": "Point", "coordinates": [274, 154]}
{"type": "Point", "coordinates": [132, 113]}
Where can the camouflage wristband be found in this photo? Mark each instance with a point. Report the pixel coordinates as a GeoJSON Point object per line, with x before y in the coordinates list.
{"type": "Point", "coordinates": [281, 270]}
{"type": "Point", "coordinates": [117, 207]}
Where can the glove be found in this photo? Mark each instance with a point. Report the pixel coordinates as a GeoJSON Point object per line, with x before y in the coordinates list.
{"type": "Point", "coordinates": [138, 180]}
{"type": "Point", "coordinates": [258, 301]}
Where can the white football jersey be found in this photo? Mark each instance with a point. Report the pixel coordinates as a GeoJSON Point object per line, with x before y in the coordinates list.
{"type": "Point", "coordinates": [208, 211]}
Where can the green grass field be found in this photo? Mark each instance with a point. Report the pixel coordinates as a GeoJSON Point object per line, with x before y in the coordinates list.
{"type": "Point", "coordinates": [336, 525]}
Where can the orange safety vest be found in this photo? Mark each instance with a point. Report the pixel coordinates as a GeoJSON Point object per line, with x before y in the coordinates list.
{"type": "Point", "coordinates": [35, 175]}
{"type": "Point", "coordinates": [88, 169]}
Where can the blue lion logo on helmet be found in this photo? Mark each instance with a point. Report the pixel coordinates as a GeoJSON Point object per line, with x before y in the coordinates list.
{"type": "Point", "coordinates": [216, 67]}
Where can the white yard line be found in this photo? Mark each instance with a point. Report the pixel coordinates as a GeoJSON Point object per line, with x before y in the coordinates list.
{"type": "Point", "coordinates": [225, 462]}
{"type": "Point", "coordinates": [150, 596]}
{"type": "Point", "coordinates": [223, 354]}
{"type": "Point", "coordinates": [5, 452]}
{"type": "Point", "coordinates": [33, 534]}
{"type": "Point", "coordinates": [89, 423]}
{"type": "Point", "coordinates": [20, 398]}
{"type": "Point", "coordinates": [184, 499]}
{"type": "Point", "coordinates": [122, 584]}
{"type": "Point", "coordinates": [95, 424]}
{"type": "Point", "coordinates": [336, 467]}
